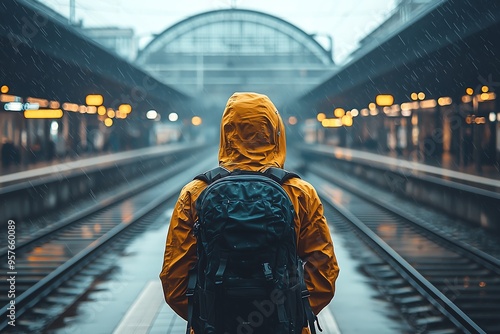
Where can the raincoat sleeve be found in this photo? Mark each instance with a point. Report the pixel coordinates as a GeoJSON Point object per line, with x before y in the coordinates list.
{"type": "Point", "coordinates": [180, 249]}
{"type": "Point", "coordinates": [315, 247]}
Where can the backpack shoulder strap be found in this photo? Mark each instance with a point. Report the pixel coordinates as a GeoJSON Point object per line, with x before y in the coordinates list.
{"type": "Point", "coordinates": [279, 175]}
{"type": "Point", "coordinates": [213, 174]}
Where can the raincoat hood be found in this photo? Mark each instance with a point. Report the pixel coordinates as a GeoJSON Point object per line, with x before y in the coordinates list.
{"type": "Point", "coordinates": [252, 134]}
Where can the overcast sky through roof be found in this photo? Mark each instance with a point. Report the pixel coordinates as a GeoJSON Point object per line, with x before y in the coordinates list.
{"type": "Point", "coordinates": [346, 21]}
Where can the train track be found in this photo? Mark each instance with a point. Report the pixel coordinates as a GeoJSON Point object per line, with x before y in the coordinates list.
{"type": "Point", "coordinates": [440, 284]}
{"type": "Point", "coordinates": [74, 248]}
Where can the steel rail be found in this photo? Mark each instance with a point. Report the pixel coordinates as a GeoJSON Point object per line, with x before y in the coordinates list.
{"type": "Point", "coordinates": [435, 297]}
{"type": "Point", "coordinates": [46, 285]}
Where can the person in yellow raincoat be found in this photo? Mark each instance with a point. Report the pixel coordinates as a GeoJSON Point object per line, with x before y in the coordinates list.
{"type": "Point", "coordinates": [252, 137]}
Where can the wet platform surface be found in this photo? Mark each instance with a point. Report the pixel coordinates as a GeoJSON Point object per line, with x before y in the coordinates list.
{"type": "Point", "coordinates": [446, 165]}
{"type": "Point", "coordinates": [129, 298]}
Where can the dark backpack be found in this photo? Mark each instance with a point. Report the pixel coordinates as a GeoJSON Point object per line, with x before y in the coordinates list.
{"type": "Point", "coordinates": [248, 277]}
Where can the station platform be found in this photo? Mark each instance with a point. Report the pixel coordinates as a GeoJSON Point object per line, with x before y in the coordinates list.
{"type": "Point", "coordinates": [446, 168]}
{"type": "Point", "coordinates": [24, 167]}
{"type": "Point", "coordinates": [19, 173]}
{"type": "Point", "coordinates": [445, 165]}
{"type": "Point", "coordinates": [448, 162]}
{"type": "Point", "coordinates": [130, 299]}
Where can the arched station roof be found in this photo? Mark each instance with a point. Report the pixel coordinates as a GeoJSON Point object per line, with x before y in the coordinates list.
{"type": "Point", "coordinates": [237, 32]}
{"type": "Point", "coordinates": [211, 55]}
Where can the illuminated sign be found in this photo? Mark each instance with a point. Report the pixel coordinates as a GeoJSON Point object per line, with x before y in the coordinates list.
{"type": "Point", "coordinates": [9, 98]}
{"type": "Point", "coordinates": [331, 122]}
{"type": "Point", "coordinates": [19, 106]}
{"type": "Point", "coordinates": [43, 113]}
{"type": "Point", "coordinates": [384, 100]}
{"type": "Point", "coordinates": [13, 106]}
{"type": "Point", "coordinates": [94, 100]}
{"type": "Point", "coordinates": [125, 108]}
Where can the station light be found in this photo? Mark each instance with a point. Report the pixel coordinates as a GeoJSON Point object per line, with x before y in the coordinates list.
{"type": "Point", "coordinates": [125, 108]}
{"type": "Point", "coordinates": [4, 89]}
{"type": "Point", "coordinates": [54, 105]}
{"type": "Point", "coordinates": [466, 99]}
{"type": "Point", "coordinates": [484, 89]}
{"type": "Point", "coordinates": [54, 126]}
{"type": "Point", "coordinates": [120, 115]}
{"type": "Point", "coordinates": [339, 112]}
{"type": "Point", "coordinates": [354, 112]}
{"type": "Point", "coordinates": [414, 96]}
{"type": "Point", "coordinates": [421, 96]}
{"type": "Point", "coordinates": [373, 109]}
{"type": "Point", "coordinates": [480, 120]}
{"type": "Point", "coordinates": [41, 102]}
{"type": "Point", "coordinates": [428, 104]}
{"type": "Point", "coordinates": [101, 110]}
{"type": "Point", "coordinates": [70, 106]}
{"type": "Point", "coordinates": [414, 121]}
{"type": "Point", "coordinates": [292, 120]}
{"type": "Point", "coordinates": [469, 91]}
{"type": "Point", "coordinates": [347, 120]}
{"type": "Point", "coordinates": [31, 106]}
{"type": "Point", "coordinates": [151, 114]}
{"type": "Point", "coordinates": [444, 101]}
{"type": "Point", "coordinates": [320, 117]}
{"type": "Point", "coordinates": [492, 117]}
{"type": "Point", "coordinates": [196, 120]}
{"type": "Point", "coordinates": [406, 112]}
{"type": "Point", "coordinates": [487, 96]}
{"type": "Point", "coordinates": [384, 100]}
{"type": "Point", "coordinates": [172, 117]}
{"type": "Point", "coordinates": [9, 98]}
{"type": "Point", "coordinates": [43, 113]}
{"type": "Point", "coordinates": [413, 105]}
{"type": "Point", "coordinates": [108, 122]}
{"type": "Point", "coordinates": [94, 100]}
{"type": "Point", "coordinates": [13, 106]}
{"type": "Point", "coordinates": [331, 122]}
{"type": "Point", "coordinates": [111, 113]}
{"type": "Point", "coordinates": [91, 109]}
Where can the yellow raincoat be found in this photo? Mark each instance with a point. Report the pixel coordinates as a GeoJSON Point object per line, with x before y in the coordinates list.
{"type": "Point", "coordinates": [252, 138]}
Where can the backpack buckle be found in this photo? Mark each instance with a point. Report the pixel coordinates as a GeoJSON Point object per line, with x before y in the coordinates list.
{"type": "Point", "coordinates": [222, 267]}
{"type": "Point", "coordinates": [268, 272]}
{"type": "Point", "coordinates": [196, 228]}
{"type": "Point", "coordinates": [189, 293]}
{"type": "Point", "coordinates": [191, 282]}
